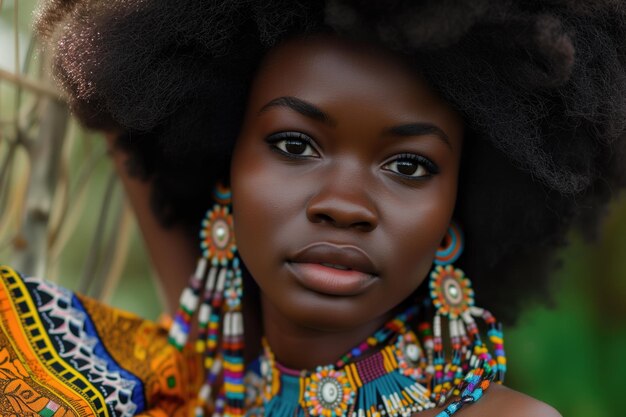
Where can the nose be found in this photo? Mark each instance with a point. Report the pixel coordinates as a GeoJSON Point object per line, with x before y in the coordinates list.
{"type": "Point", "coordinates": [343, 204]}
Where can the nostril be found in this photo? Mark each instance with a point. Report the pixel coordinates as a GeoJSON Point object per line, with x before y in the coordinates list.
{"type": "Point", "coordinates": [363, 226]}
{"type": "Point", "coordinates": [359, 225]}
{"type": "Point", "coordinates": [324, 218]}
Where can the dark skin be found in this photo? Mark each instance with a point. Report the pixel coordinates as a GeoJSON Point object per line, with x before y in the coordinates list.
{"type": "Point", "coordinates": [351, 185]}
{"type": "Point", "coordinates": [344, 149]}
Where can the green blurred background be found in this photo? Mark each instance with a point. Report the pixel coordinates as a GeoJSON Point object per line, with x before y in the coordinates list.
{"type": "Point", "coordinates": [569, 355]}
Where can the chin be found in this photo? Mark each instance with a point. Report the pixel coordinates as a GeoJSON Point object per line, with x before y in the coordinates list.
{"type": "Point", "coordinates": [325, 312]}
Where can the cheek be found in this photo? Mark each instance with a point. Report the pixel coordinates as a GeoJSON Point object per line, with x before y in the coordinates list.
{"type": "Point", "coordinates": [261, 209]}
{"type": "Point", "coordinates": [249, 203]}
{"type": "Point", "coordinates": [416, 232]}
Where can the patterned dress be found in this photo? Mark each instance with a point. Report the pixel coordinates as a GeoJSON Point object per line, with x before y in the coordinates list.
{"type": "Point", "coordinates": [65, 355]}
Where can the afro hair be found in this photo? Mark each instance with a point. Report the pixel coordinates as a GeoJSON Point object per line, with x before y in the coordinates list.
{"type": "Point", "coordinates": [540, 84]}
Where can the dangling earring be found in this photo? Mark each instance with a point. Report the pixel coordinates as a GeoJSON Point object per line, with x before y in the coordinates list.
{"type": "Point", "coordinates": [453, 298]}
{"type": "Point", "coordinates": [217, 279]}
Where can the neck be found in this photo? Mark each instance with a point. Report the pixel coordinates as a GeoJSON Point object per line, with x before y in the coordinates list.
{"type": "Point", "coordinates": [297, 346]}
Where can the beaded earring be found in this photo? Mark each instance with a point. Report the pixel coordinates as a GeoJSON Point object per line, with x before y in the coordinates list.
{"type": "Point", "coordinates": [453, 298]}
{"type": "Point", "coordinates": [216, 288]}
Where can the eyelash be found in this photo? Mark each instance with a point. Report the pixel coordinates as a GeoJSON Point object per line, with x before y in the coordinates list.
{"type": "Point", "coordinates": [274, 139]}
{"type": "Point", "coordinates": [430, 167]}
{"type": "Point", "coordinates": [277, 138]}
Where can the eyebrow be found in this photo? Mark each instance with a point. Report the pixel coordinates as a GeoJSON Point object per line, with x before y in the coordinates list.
{"type": "Point", "coordinates": [420, 129]}
{"type": "Point", "coordinates": [303, 107]}
{"type": "Point", "coordinates": [311, 111]}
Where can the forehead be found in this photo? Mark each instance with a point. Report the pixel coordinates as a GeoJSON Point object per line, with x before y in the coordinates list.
{"type": "Point", "coordinates": [326, 70]}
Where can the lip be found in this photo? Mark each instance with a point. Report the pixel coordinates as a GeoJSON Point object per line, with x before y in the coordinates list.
{"type": "Point", "coordinates": [311, 268]}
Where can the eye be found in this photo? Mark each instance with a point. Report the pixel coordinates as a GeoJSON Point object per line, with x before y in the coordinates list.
{"type": "Point", "coordinates": [293, 144]}
{"type": "Point", "coordinates": [412, 166]}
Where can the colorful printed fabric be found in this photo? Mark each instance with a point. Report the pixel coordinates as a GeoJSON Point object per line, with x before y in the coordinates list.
{"type": "Point", "coordinates": [64, 355]}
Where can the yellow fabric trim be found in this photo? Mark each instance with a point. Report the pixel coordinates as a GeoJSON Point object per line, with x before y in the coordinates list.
{"type": "Point", "coordinates": [69, 375]}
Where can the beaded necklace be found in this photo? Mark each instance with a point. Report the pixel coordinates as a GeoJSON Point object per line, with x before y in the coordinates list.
{"type": "Point", "coordinates": [391, 373]}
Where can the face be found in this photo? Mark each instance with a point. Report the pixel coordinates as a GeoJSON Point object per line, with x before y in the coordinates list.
{"type": "Point", "coordinates": [344, 181]}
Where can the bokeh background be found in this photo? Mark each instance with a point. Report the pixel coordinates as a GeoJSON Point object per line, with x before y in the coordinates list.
{"type": "Point", "coordinates": [569, 354]}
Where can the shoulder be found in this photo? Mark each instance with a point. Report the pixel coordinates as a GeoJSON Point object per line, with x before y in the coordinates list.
{"type": "Point", "coordinates": [500, 400]}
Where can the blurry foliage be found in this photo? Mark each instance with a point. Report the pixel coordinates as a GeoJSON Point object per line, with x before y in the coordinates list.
{"type": "Point", "coordinates": [62, 212]}
{"type": "Point", "coordinates": [569, 356]}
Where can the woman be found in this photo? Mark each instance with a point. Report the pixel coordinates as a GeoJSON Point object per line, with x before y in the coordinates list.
{"type": "Point", "coordinates": [355, 128]}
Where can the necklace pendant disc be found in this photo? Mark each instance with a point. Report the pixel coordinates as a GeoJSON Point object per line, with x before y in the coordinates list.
{"type": "Point", "coordinates": [328, 392]}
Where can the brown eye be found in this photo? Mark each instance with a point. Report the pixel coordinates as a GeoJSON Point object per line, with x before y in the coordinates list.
{"type": "Point", "coordinates": [409, 168]}
{"type": "Point", "coordinates": [296, 147]}
{"type": "Point", "coordinates": [412, 166]}
{"type": "Point", "coordinates": [294, 144]}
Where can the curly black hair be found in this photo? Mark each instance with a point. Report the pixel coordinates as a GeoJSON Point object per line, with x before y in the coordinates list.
{"type": "Point", "coordinates": [541, 86]}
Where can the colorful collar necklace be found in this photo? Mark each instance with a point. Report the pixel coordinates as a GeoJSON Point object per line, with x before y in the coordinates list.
{"type": "Point", "coordinates": [392, 373]}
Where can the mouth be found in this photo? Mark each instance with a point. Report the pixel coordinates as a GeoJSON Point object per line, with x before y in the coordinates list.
{"type": "Point", "coordinates": [342, 267]}
{"type": "Point", "coordinates": [333, 270]}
